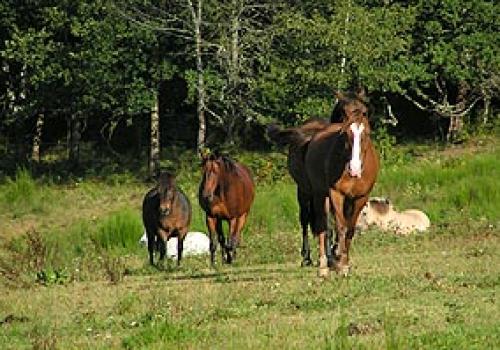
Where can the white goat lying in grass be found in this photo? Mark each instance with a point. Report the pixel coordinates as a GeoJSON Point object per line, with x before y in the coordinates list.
{"type": "Point", "coordinates": [380, 212]}
{"type": "Point", "coordinates": [195, 243]}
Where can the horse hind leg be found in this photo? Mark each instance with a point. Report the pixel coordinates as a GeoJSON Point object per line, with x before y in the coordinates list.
{"type": "Point", "coordinates": [320, 228]}
{"type": "Point", "coordinates": [305, 216]}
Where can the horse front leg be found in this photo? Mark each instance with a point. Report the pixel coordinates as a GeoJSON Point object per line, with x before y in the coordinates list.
{"type": "Point", "coordinates": [357, 207]}
{"type": "Point", "coordinates": [162, 245]}
{"type": "Point", "coordinates": [211, 226]}
{"type": "Point", "coordinates": [222, 243]}
{"type": "Point", "coordinates": [342, 250]}
{"type": "Point", "coordinates": [232, 239]}
{"type": "Point", "coordinates": [328, 236]}
{"type": "Point", "coordinates": [235, 240]}
{"type": "Point", "coordinates": [151, 246]}
{"type": "Point", "coordinates": [180, 246]}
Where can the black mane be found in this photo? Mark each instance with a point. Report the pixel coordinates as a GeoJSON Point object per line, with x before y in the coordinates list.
{"type": "Point", "coordinates": [337, 115]}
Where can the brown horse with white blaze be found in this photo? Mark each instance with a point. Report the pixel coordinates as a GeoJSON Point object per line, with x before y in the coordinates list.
{"type": "Point", "coordinates": [342, 166]}
{"type": "Point", "coordinates": [349, 105]}
{"type": "Point", "coordinates": [226, 193]}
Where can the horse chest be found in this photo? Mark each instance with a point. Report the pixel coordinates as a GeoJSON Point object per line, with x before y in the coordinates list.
{"type": "Point", "coordinates": [219, 209]}
{"type": "Point", "coordinates": [351, 186]}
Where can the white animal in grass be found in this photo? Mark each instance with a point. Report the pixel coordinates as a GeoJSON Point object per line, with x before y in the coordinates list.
{"type": "Point", "coordinates": [380, 212]}
{"type": "Point", "coordinates": [195, 243]}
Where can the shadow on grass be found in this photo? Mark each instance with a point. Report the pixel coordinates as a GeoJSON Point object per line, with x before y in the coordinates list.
{"type": "Point", "coordinates": [223, 274]}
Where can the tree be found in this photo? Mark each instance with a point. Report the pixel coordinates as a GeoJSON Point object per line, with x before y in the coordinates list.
{"type": "Point", "coordinates": [456, 49]}
{"type": "Point", "coordinates": [334, 46]}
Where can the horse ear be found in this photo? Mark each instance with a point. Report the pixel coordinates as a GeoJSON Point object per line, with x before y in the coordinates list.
{"type": "Point", "coordinates": [339, 95]}
{"type": "Point", "coordinates": [361, 92]}
{"type": "Point", "coordinates": [204, 153]}
{"type": "Point", "coordinates": [171, 178]}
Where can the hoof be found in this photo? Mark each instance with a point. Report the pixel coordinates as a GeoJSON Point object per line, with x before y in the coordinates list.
{"type": "Point", "coordinates": [323, 272]}
{"type": "Point", "coordinates": [331, 263]}
{"type": "Point", "coordinates": [323, 269]}
{"type": "Point", "coordinates": [306, 262]}
{"type": "Point", "coordinates": [343, 270]}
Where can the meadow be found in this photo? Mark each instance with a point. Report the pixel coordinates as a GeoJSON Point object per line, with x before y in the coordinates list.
{"type": "Point", "coordinates": [73, 276]}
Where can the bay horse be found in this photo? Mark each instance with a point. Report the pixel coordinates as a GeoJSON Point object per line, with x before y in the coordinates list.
{"type": "Point", "coordinates": [166, 213]}
{"type": "Point", "coordinates": [342, 166]}
{"type": "Point", "coordinates": [226, 193]}
{"type": "Point", "coordinates": [348, 105]}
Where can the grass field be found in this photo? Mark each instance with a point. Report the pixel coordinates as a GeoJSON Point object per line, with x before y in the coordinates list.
{"type": "Point", "coordinates": [72, 275]}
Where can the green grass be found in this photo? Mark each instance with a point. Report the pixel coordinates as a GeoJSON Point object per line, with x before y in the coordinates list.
{"type": "Point", "coordinates": [77, 279]}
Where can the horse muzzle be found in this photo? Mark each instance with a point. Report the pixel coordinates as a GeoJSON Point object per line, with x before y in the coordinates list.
{"type": "Point", "coordinates": [165, 212]}
{"type": "Point", "coordinates": [209, 197]}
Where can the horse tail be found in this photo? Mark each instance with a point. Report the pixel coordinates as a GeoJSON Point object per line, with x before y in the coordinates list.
{"type": "Point", "coordinates": [290, 136]}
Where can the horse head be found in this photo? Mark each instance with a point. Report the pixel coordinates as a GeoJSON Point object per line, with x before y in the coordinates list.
{"type": "Point", "coordinates": [349, 104]}
{"type": "Point", "coordinates": [166, 191]}
{"type": "Point", "coordinates": [212, 167]}
{"type": "Point", "coordinates": [357, 129]}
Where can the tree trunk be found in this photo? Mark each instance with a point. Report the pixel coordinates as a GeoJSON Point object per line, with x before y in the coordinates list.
{"type": "Point", "coordinates": [202, 128]}
{"type": "Point", "coordinates": [154, 150]}
{"type": "Point", "coordinates": [343, 61]}
{"type": "Point", "coordinates": [487, 105]}
{"type": "Point", "coordinates": [234, 74]}
{"type": "Point", "coordinates": [37, 138]}
{"type": "Point", "coordinates": [74, 140]}
{"type": "Point", "coordinates": [456, 125]}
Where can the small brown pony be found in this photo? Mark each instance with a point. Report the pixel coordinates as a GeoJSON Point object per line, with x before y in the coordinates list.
{"type": "Point", "coordinates": [166, 213]}
{"type": "Point", "coordinates": [226, 193]}
{"type": "Point", "coordinates": [333, 165]}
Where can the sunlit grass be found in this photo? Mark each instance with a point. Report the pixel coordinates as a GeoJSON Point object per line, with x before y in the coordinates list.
{"type": "Point", "coordinates": [433, 290]}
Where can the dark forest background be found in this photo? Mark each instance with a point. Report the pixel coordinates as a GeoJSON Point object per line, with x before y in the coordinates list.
{"type": "Point", "coordinates": [131, 80]}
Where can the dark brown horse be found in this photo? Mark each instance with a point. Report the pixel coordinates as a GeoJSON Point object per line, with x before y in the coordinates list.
{"type": "Point", "coordinates": [166, 213]}
{"type": "Point", "coordinates": [348, 105]}
{"type": "Point", "coordinates": [226, 193]}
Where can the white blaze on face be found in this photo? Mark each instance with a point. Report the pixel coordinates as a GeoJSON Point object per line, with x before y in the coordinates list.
{"type": "Point", "coordinates": [355, 163]}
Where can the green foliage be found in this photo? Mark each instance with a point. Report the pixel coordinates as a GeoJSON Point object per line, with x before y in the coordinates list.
{"type": "Point", "coordinates": [385, 144]}
{"type": "Point", "coordinates": [50, 276]}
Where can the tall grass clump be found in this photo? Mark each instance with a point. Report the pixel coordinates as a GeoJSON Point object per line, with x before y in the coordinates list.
{"type": "Point", "coordinates": [121, 230]}
{"type": "Point", "coordinates": [22, 194]}
{"type": "Point", "coordinates": [275, 208]}
{"type": "Point", "coordinates": [21, 188]}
